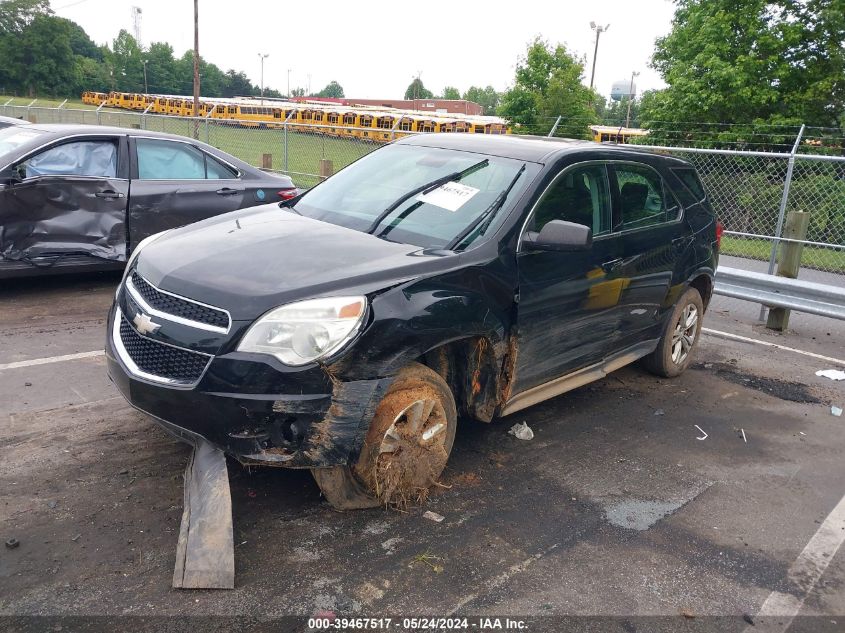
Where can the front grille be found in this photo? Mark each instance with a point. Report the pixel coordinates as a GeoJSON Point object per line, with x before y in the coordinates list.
{"type": "Point", "coordinates": [160, 360]}
{"type": "Point", "coordinates": [179, 307]}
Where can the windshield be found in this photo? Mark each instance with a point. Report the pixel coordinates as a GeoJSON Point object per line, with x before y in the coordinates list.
{"type": "Point", "coordinates": [13, 137]}
{"type": "Point", "coordinates": [424, 196]}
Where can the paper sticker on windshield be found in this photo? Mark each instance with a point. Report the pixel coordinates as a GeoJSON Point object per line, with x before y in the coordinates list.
{"type": "Point", "coordinates": [451, 196]}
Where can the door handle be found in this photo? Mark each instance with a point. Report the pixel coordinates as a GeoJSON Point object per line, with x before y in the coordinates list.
{"type": "Point", "coordinates": [228, 191]}
{"type": "Point", "coordinates": [611, 265]}
{"type": "Point", "coordinates": [109, 194]}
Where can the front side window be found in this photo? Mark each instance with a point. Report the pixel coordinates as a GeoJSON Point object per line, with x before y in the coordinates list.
{"type": "Point", "coordinates": [168, 160]}
{"type": "Point", "coordinates": [580, 195]}
{"type": "Point", "coordinates": [97, 159]}
{"type": "Point", "coordinates": [641, 198]}
{"type": "Point", "coordinates": [386, 193]}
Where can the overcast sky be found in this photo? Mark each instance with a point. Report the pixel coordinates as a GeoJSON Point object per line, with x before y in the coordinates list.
{"type": "Point", "coordinates": [374, 48]}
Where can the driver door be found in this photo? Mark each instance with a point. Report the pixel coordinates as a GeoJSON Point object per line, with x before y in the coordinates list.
{"type": "Point", "coordinates": [67, 199]}
{"type": "Point", "coordinates": [567, 311]}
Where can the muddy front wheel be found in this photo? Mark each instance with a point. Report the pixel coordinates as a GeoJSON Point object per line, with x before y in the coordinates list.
{"type": "Point", "coordinates": [406, 447]}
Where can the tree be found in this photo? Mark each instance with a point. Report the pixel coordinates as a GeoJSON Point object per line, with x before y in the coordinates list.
{"type": "Point", "coordinates": [127, 65]}
{"type": "Point", "coordinates": [749, 62]}
{"type": "Point", "coordinates": [333, 89]}
{"type": "Point", "coordinates": [416, 90]}
{"type": "Point", "coordinates": [161, 69]}
{"type": "Point", "coordinates": [39, 58]}
{"type": "Point", "coordinates": [297, 92]}
{"type": "Point", "coordinates": [548, 84]}
{"type": "Point", "coordinates": [450, 92]}
{"type": "Point", "coordinates": [237, 84]}
{"type": "Point", "coordinates": [487, 98]}
{"type": "Point", "coordinates": [16, 15]}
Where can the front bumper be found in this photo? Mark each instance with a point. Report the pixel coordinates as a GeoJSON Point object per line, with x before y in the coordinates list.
{"type": "Point", "coordinates": [254, 408]}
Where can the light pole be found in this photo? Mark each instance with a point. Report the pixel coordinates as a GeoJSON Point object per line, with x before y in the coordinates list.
{"type": "Point", "coordinates": [146, 88]}
{"type": "Point", "coordinates": [630, 98]}
{"type": "Point", "coordinates": [262, 57]}
{"type": "Point", "coordinates": [289, 84]}
{"type": "Point", "coordinates": [599, 30]}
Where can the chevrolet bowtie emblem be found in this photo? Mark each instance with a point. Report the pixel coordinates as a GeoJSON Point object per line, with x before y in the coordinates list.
{"type": "Point", "coordinates": [144, 324]}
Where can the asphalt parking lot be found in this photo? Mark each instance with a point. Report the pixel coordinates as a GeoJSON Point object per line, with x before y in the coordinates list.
{"type": "Point", "coordinates": [615, 508]}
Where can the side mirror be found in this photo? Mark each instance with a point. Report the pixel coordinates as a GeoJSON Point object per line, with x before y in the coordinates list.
{"type": "Point", "coordinates": [559, 235]}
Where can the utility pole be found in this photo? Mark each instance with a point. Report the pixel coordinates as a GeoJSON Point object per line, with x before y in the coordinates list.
{"type": "Point", "coordinates": [289, 83]}
{"type": "Point", "coordinates": [599, 30]}
{"type": "Point", "coordinates": [196, 68]}
{"type": "Point", "coordinates": [262, 57]}
{"type": "Point", "coordinates": [630, 98]}
{"type": "Point", "coordinates": [146, 88]}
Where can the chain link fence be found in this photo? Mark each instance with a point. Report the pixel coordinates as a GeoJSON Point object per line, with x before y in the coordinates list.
{"type": "Point", "coordinates": [289, 148]}
{"type": "Point", "coordinates": [751, 191]}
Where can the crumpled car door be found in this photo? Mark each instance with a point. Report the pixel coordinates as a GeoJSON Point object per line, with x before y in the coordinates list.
{"type": "Point", "coordinates": [69, 201]}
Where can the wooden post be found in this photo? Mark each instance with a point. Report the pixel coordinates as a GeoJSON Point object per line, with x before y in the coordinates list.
{"type": "Point", "coordinates": [266, 161]}
{"type": "Point", "coordinates": [326, 168]}
{"type": "Point", "coordinates": [797, 223]}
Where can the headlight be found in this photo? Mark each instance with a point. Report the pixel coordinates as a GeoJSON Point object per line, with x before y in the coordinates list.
{"type": "Point", "coordinates": [131, 260]}
{"type": "Point", "coordinates": [302, 332]}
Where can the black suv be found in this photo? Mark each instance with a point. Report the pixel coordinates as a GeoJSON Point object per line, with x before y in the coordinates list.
{"type": "Point", "coordinates": [440, 275]}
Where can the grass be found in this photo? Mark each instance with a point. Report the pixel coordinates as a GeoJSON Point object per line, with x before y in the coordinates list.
{"type": "Point", "coordinates": [828, 259]}
{"type": "Point", "coordinates": [45, 103]}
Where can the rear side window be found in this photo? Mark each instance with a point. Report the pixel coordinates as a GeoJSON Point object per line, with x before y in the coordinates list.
{"type": "Point", "coordinates": [641, 196]}
{"type": "Point", "coordinates": [691, 182]}
{"type": "Point", "coordinates": [169, 160]}
{"type": "Point", "coordinates": [97, 159]}
{"type": "Point", "coordinates": [217, 170]}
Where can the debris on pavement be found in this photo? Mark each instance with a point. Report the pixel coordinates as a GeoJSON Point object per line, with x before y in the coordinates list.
{"type": "Point", "coordinates": [744, 439]}
{"type": "Point", "coordinates": [659, 412]}
{"type": "Point", "coordinates": [433, 516]}
{"type": "Point", "coordinates": [205, 550]}
{"type": "Point", "coordinates": [12, 543]}
{"type": "Point", "coordinates": [703, 431]}
{"type": "Point", "coordinates": [429, 559]}
{"type": "Point", "coordinates": [521, 431]}
{"type": "Point", "coordinates": [834, 410]}
{"type": "Point", "coordinates": [833, 374]}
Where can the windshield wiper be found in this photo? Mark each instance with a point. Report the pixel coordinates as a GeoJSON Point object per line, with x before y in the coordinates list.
{"type": "Point", "coordinates": [425, 189]}
{"type": "Point", "coordinates": [485, 217]}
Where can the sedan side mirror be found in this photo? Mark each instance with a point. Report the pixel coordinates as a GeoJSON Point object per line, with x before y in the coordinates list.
{"type": "Point", "coordinates": [559, 235]}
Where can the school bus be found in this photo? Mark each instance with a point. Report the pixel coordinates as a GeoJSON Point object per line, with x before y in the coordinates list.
{"type": "Point", "coordinates": [333, 119]}
{"type": "Point", "coordinates": [611, 134]}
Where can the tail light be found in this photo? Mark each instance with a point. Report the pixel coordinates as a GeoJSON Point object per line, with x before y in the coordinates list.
{"type": "Point", "coordinates": [288, 193]}
{"type": "Point", "coordinates": [719, 230]}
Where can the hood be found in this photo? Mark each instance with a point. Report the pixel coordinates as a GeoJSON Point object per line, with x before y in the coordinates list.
{"type": "Point", "coordinates": [251, 261]}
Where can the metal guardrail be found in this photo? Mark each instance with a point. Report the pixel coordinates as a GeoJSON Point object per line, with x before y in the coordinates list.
{"type": "Point", "coordinates": [781, 292]}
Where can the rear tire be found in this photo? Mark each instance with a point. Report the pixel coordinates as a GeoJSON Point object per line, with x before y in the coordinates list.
{"type": "Point", "coordinates": [680, 335]}
{"type": "Point", "coordinates": [406, 447]}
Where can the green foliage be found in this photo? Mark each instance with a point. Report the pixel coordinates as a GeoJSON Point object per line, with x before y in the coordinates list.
{"type": "Point", "coordinates": [416, 90]}
{"type": "Point", "coordinates": [450, 92]}
{"type": "Point", "coordinates": [487, 98]}
{"type": "Point", "coordinates": [16, 15]}
{"type": "Point", "coordinates": [755, 62]}
{"type": "Point", "coordinates": [333, 89]}
{"type": "Point", "coordinates": [44, 55]}
{"type": "Point", "coordinates": [237, 84]}
{"type": "Point", "coordinates": [547, 85]}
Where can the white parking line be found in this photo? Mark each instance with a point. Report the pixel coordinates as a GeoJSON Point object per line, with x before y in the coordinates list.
{"type": "Point", "coordinates": [52, 359]}
{"type": "Point", "coordinates": [745, 339]}
{"type": "Point", "coordinates": [779, 609]}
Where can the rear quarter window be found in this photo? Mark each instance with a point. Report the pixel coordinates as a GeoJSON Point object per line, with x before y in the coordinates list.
{"type": "Point", "coordinates": [689, 178]}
